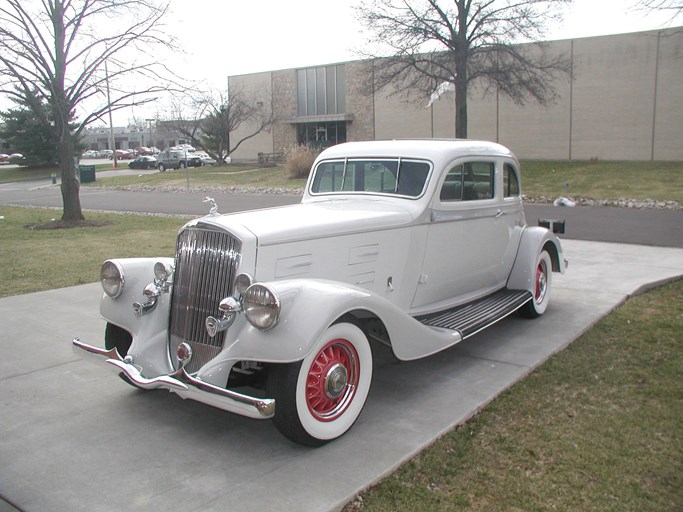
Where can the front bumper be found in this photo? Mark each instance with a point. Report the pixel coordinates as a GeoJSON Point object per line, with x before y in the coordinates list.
{"type": "Point", "coordinates": [181, 383]}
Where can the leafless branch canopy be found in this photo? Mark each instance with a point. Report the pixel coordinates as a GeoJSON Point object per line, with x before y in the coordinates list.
{"type": "Point", "coordinates": [57, 51]}
{"type": "Point", "coordinates": [208, 119]}
{"type": "Point", "coordinates": [94, 54]}
{"type": "Point", "coordinates": [673, 8]}
{"type": "Point", "coordinates": [420, 44]}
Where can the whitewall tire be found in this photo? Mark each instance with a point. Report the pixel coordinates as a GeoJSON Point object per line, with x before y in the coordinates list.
{"type": "Point", "coordinates": [542, 285]}
{"type": "Point", "coordinates": [320, 398]}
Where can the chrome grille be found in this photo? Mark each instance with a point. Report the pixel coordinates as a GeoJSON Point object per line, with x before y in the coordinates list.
{"type": "Point", "coordinates": [205, 266]}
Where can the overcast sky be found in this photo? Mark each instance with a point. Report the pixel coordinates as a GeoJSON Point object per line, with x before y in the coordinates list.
{"type": "Point", "coordinates": [228, 37]}
{"type": "Point", "coordinates": [232, 37]}
{"type": "Point", "coordinates": [280, 34]}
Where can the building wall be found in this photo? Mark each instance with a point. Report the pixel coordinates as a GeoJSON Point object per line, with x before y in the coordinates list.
{"type": "Point", "coordinates": [260, 87]}
{"type": "Point", "coordinates": [624, 103]}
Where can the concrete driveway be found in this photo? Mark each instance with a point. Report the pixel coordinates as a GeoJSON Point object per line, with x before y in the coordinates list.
{"type": "Point", "coordinates": [76, 438]}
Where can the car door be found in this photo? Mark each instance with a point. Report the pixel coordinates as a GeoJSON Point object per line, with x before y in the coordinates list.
{"type": "Point", "coordinates": [473, 233]}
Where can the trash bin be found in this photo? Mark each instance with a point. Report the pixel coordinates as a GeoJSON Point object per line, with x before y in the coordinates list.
{"type": "Point", "coordinates": [86, 173]}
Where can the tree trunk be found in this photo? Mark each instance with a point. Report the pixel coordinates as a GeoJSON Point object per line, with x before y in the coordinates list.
{"type": "Point", "coordinates": [70, 184]}
{"type": "Point", "coordinates": [460, 109]}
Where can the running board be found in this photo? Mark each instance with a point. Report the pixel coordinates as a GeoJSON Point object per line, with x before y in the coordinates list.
{"type": "Point", "coordinates": [472, 317]}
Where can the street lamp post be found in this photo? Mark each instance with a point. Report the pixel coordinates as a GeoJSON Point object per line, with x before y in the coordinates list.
{"type": "Point", "coordinates": [151, 143]}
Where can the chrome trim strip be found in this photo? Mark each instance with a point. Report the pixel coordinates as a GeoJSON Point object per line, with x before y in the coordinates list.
{"type": "Point", "coordinates": [183, 384]}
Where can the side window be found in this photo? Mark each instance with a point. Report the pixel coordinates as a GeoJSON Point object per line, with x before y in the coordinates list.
{"type": "Point", "coordinates": [452, 185]}
{"type": "Point", "coordinates": [471, 181]}
{"type": "Point", "coordinates": [411, 178]}
{"type": "Point", "coordinates": [328, 177]}
{"type": "Point", "coordinates": [510, 181]}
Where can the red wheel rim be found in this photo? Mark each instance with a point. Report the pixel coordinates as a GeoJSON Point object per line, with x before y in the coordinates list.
{"type": "Point", "coordinates": [541, 281]}
{"type": "Point", "coordinates": [332, 380]}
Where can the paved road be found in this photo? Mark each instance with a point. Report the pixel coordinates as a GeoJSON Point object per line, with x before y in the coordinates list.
{"type": "Point", "coordinates": [644, 227]}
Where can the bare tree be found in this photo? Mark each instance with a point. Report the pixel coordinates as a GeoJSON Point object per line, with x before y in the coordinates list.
{"type": "Point", "coordinates": [428, 46]}
{"type": "Point", "coordinates": [673, 8]}
{"type": "Point", "coordinates": [79, 54]}
{"type": "Point", "coordinates": [210, 121]}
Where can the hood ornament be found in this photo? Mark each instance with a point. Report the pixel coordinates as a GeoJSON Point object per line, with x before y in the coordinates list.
{"type": "Point", "coordinates": [214, 206]}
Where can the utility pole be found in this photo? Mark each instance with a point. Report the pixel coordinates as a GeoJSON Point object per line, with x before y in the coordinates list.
{"type": "Point", "coordinates": [111, 125]}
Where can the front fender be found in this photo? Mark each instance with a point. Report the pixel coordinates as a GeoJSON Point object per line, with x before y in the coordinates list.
{"type": "Point", "coordinates": [310, 306]}
{"type": "Point", "coordinates": [534, 240]}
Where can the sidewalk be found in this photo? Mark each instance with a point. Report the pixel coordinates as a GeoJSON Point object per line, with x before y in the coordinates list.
{"type": "Point", "coordinates": [74, 437]}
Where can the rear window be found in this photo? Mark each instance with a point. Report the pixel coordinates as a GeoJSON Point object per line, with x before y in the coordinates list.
{"type": "Point", "coordinates": [377, 176]}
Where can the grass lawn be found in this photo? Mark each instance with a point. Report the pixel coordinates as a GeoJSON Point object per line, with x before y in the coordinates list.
{"type": "Point", "coordinates": [661, 181]}
{"type": "Point", "coordinates": [210, 176]}
{"type": "Point", "coordinates": [36, 260]}
{"type": "Point", "coordinates": [598, 427]}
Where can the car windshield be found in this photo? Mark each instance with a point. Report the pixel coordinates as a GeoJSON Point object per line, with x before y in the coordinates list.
{"type": "Point", "coordinates": [398, 176]}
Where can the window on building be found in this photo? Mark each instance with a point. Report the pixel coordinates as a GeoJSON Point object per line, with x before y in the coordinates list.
{"type": "Point", "coordinates": [321, 91]}
{"type": "Point", "coordinates": [321, 135]}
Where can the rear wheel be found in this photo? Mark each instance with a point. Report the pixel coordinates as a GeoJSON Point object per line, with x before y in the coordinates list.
{"type": "Point", "coordinates": [542, 285]}
{"type": "Point", "coordinates": [183, 165]}
{"type": "Point", "coordinates": [320, 398]}
{"type": "Point", "coordinates": [162, 167]}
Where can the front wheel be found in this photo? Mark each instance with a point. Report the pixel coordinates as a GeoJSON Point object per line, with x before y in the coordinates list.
{"type": "Point", "coordinates": [543, 279]}
{"type": "Point", "coordinates": [162, 167]}
{"type": "Point", "coordinates": [320, 398]}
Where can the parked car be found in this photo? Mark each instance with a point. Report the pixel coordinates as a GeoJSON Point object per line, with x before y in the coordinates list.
{"type": "Point", "coordinates": [122, 154]}
{"type": "Point", "coordinates": [206, 159]}
{"type": "Point", "coordinates": [143, 151]}
{"type": "Point", "coordinates": [415, 245]}
{"type": "Point", "coordinates": [177, 159]}
{"type": "Point", "coordinates": [91, 153]}
{"type": "Point", "coordinates": [143, 162]}
{"type": "Point", "coordinates": [105, 153]}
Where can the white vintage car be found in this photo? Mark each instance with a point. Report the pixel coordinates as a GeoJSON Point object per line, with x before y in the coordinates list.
{"type": "Point", "coordinates": [272, 313]}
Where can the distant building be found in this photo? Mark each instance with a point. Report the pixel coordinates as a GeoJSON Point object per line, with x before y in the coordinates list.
{"type": "Point", "coordinates": [99, 138]}
{"type": "Point", "coordinates": [625, 103]}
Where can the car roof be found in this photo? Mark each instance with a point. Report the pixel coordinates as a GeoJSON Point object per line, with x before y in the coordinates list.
{"type": "Point", "coordinates": [436, 150]}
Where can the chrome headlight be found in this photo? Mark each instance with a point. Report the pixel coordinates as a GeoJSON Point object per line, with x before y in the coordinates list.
{"type": "Point", "coordinates": [162, 271]}
{"type": "Point", "coordinates": [261, 306]}
{"type": "Point", "coordinates": [112, 279]}
{"type": "Point", "coordinates": [242, 282]}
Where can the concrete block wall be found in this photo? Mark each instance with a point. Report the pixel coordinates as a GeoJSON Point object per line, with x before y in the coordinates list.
{"type": "Point", "coordinates": [624, 103]}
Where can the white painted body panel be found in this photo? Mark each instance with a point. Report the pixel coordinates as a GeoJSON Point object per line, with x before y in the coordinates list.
{"type": "Point", "coordinates": [391, 257]}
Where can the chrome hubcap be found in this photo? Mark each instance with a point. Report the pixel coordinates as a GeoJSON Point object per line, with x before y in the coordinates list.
{"type": "Point", "coordinates": [541, 282]}
{"type": "Point", "coordinates": [335, 381]}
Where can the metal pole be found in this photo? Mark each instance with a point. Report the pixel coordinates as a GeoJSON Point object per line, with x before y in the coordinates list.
{"type": "Point", "coordinates": [111, 125]}
{"type": "Point", "coordinates": [187, 169]}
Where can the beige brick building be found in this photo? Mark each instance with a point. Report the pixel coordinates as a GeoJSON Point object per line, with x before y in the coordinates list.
{"type": "Point", "coordinates": [624, 103]}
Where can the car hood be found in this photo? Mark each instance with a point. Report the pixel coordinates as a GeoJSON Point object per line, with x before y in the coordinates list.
{"type": "Point", "coordinates": [316, 220]}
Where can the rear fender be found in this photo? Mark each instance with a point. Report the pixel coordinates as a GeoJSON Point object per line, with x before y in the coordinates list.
{"type": "Point", "coordinates": [534, 240]}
